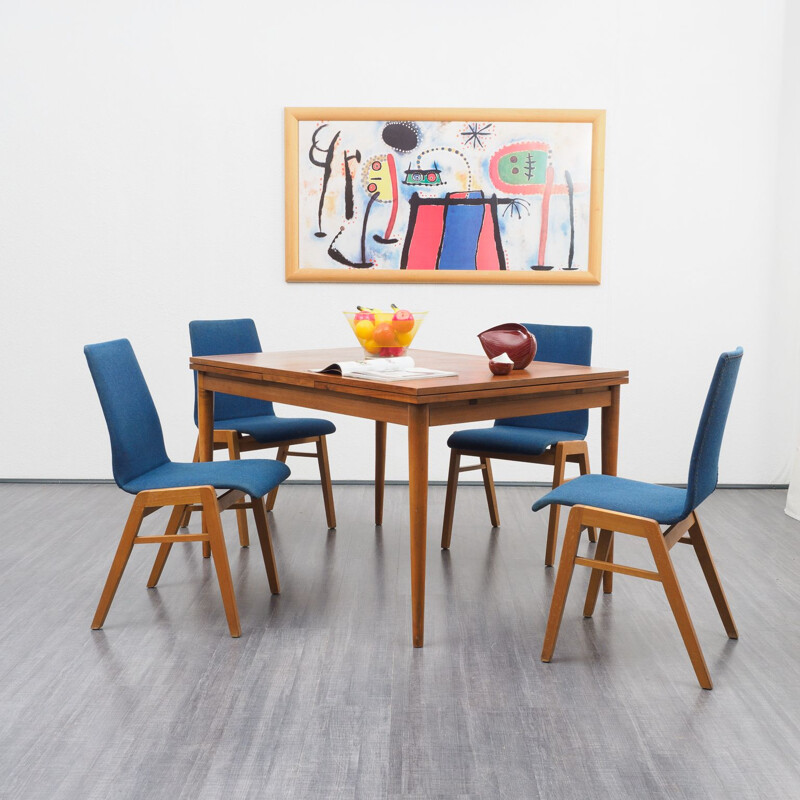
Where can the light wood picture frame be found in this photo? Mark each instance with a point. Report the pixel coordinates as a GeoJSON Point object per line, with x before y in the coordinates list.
{"type": "Point", "coordinates": [421, 195]}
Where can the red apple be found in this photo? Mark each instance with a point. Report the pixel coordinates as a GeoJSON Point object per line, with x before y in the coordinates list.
{"type": "Point", "coordinates": [403, 321]}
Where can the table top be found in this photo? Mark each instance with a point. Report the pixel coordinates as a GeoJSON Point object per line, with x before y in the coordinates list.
{"type": "Point", "coordinates": [473, 375]}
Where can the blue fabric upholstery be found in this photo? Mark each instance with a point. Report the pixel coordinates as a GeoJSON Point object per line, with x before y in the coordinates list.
{"type": "Point", "coordinates": [664, 504]}
{"type": "Point", "coordinates": [703, 467]}
{"type": "Point", "coordinates": [267, 429]}
{"type": "Point", "coordinates": [216, 337]}
{"type": "Point", "coordinates": [255, 476]}
{"type": "Point", "coordinates": [139, 458]}
{"type": "Point", "coordinates": [246, 415]}
{"type": "Point", "coordinates": [509, 439]}
{"type": "Point", "coordinates": [562, 344]}
{"type": "Point", "coordinates": [137, 441]}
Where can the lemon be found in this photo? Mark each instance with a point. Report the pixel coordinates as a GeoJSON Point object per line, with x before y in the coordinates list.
{"type": "Point", "coordinates": [364, 329]}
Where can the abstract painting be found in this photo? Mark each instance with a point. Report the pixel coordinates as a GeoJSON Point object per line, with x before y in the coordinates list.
{"type": "Point", "coordinates": [444, 195]}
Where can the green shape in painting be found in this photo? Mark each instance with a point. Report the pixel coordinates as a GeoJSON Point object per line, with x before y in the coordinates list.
{"type": "Point", "coordinates": [523, 167]}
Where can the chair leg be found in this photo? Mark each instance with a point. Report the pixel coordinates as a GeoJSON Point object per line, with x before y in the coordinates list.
{"type": "Point", "coordinates": [264, 537]}
{"type": "Point", "coordinates": [118, 564]}
{"type": "Point", "coordinates": [325, 480]}
{"type": "Point", "coordinates": [600, 554]}
{"type": "Point", "coordinates": [583, 466]}
{"type": "Point", "coordinates": [283, 451]}
{"type": "Point", "coordinates": [177, 515]}
{"type": "Point", "coordinates": [712, 577]}
{"type": "Point", "coordinates": [569, 551]}
{"type": "Point", "coordinates": [672, 589]}
{"type": "Point", "coordinates": [234, 454]}
{"type": "Point", "coordinates": [212, 524]}
{"type": "Point", "coordinates": [450, 498]}
{"type": "Point", "coordinates": [608, 577]}
{"type": "Point", "coordinates": [559, 465]}
{"type": "Point", "coordinates": [491, 497]}
{"type": "Point", "coordinates": [187, 514]}
{"type": "Point", "coordinates": [204, 527]}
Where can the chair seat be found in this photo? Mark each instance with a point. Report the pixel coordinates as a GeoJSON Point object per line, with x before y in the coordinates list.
{"type": "Point", "coordinates": [268, 429]}
{"type": "Point", "coordinates": [510, 439]}
{"type": "Point", "coordinates": [254, 476]}
{"type": "Point", "coordinates": [665, 504]}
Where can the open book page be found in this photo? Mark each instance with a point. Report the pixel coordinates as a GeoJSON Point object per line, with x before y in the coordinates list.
{"type": "Point", "coordinates": [397, 368]}
{"type": "Point", "coordinates": [348, 368]}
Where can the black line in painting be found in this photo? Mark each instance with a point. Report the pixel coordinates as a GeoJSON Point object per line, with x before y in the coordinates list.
{"type": "Point", "coordinates": [348, 183]}
{"type": "Point", "coordinates": [412, 221]}
{"type": "Point", "coordinates": [337, 256]}
{"type": "Point", "coordinates": [326, 166]}
{"type": "Point", "coordinates": [473, 134]}
{"type": "Point", "coordinates": [571, 192]}
{"type": "Point", "coordinates": [498, 242]}
{"type": "Point", "coordinates": [364, 227]}
{"type": "Point", "coordinates": [463, 201]}
{"type": "Point", "coordinates": [516, 206]}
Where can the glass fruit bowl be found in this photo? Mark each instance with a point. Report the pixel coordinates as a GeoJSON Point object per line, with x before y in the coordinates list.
{"type": "Point", "coordinates": [383, 334]}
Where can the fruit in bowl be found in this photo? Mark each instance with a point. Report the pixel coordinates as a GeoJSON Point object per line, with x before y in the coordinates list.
{"type": "Point", "coordinates": [383, 334]}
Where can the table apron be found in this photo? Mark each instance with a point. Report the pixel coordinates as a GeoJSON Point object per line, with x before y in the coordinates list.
{"type": "Point", "coordinates": [501, 407]}
{"type": "Point", "coordinates": [446, 413]}
{"type": "Point", "coordinates": [310, 397]}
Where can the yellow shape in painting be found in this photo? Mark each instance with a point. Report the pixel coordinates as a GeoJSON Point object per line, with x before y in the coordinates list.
{"type": "Point", "coordinates": [379, 179]}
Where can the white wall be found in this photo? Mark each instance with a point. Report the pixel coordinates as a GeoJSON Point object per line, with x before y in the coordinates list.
{"type": "Point", "coordinates": [141, 166]}
{"type": "Point", "coordinates": [788, 261]}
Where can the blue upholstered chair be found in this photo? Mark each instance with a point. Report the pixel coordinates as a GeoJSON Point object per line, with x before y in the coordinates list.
{"type": "Point", "coordinates": [554, 439]}
{"type": "Point", "coordinates": [243, 423]}
{"type": "Point", "coordinates": [141, 467]}
{"type": "Point", "coordinates": [640, 509]}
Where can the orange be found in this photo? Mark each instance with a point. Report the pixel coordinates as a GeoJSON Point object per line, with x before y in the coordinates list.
{"type": "Point", "coordinates": [384, 334]}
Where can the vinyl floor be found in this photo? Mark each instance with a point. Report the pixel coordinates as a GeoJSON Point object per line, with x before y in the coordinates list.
{"type": "Point", "coordinates": [323, 696]}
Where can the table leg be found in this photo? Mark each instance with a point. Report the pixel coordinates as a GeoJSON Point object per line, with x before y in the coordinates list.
{"type": "Point", "coordinates": [380, 469]}
{"type": "Point", "coordinates": [205, 434]}
{"type": "Point", "coordinates": [418, 421]}
{"type": "Point", "coordinates": [610, 445]}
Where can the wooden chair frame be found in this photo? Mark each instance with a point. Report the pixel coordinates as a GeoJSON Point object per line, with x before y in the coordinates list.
{"type": "Point", "coordinates": [687, 531]}
{"type": "Point", "coordinates": [557, 456]}
{"type": "Point", "coordinates": [237, 443]}
{"type": "Point", "coordinates": [183, 500]}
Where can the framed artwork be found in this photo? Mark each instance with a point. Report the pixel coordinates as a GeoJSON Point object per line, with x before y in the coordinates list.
{"type": "Point", "coordinates": [415, 195]}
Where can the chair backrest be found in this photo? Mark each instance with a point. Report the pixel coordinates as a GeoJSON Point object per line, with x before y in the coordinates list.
{"type": "Point", "coordinates": [215, 337]}
{"type": "Point", "coordinates": [563, 344]}
{"type": "Point", "coordinates": [137, 441]}
{"type": "Point", "coordinates": [704, 466]}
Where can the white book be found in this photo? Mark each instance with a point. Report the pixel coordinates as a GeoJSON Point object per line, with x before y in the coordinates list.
{"type": "Point", "coordinates": [395, 368]}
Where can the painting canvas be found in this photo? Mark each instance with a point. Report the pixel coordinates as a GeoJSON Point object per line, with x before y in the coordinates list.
{"type": "Point", "coordinates": [482, 196]}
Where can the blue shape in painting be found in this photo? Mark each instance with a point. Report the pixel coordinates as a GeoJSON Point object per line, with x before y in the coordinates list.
{"type": "Point", "coordinates": [462, 227]}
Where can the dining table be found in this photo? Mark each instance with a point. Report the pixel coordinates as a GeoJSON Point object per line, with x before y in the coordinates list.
{"type": "Point", "coordinates": [472, 394]}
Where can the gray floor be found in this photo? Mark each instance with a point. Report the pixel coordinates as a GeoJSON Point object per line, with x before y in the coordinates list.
{"type": "Point", "coordinates": [324, 697]}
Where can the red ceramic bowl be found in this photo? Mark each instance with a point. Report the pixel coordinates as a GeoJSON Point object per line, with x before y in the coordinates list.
{"type": "Point", "coordinates": [500, 367]}
{"type": "Point", "coordinates": [511, 338]}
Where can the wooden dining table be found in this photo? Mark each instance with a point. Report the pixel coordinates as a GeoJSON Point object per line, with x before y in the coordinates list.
{"type": "Point", "coordinates": [472, 394]}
